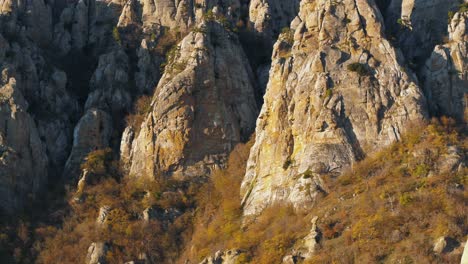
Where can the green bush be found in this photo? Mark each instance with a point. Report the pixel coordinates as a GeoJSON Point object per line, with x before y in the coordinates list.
{"type": "Point", "coordinates": [116, 35]}
{"type": "Point", "coordinates": [288, 35]}
{"type": "Point", "coordinates": [359, 68]}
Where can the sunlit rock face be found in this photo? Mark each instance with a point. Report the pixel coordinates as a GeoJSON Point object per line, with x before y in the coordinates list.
{"type": "Point", "coordinates": [203, 106]}
{"type": "Point", "coordinates": [182, 15]}
{"type": "Point", "coordinates": [337, 90]}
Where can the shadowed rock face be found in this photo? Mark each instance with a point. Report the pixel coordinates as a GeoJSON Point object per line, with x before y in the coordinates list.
{"type": "Point", "coordinates": [337, 90]}
{"type": "Point", "coordinates": [182, 15]}
{"type": "Point", "coordinates": [417, 25]}
{"type": "Point", "coordinates": [92, 132]}
{"type": "Point", "coordinates": [269, 17]}
{"type": "Point", "coordinates": [203, 105]}
{"type": "Point", "coordinates": [23, 159]}
{"type": "Point", "coordinates": [445, 74]}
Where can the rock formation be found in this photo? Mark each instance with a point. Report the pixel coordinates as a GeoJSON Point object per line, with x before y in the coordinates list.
{"type": "Point", "coordinates": [97, 253]}
{"type": "Point", "coordinates": [110, 89]}
{"type": "Point", "coordinates": [269, 17]}
{"type": "Point", "coordinates": [92, 132]}
{"type": "Point", "coordinates": [337, 90]}
{"type": "Point", "coordinates": [203, 105]}
{"type": "Point", "coordinates": [23, 159]}
{"type": "Point", "coordinates": [74, 28]}
{"type": "Point", "coordinates": [417, 25]}
{"type": "Point", "coordinates": [182, 15]}
{"type": "Point", "coordinates": [445, 74]}
{"type": "Point", "coordinates": [220, 257]}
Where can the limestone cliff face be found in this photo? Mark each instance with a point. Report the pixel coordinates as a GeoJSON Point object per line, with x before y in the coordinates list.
{"type": "Point", "coordinates": [337, 90]}
{"type": "Point", "coordinates": [23, 159]}
{"type": "Point", "coordinates": [445, 75]}
{"type": "Point", "coordinates": [110, 83]}
{"type": "Point", "coordinates": [180, 15]}
{"type": "Point", "coordinates": [36, 17]}
{"type": "Point", "coordinates": [92, 132]}
{"type": "Point", "coordinates": [73, 29]}
{"type": "Point", "coordinates": [38, 132]}
{"type": "Point", "coordinates": [417, 25]}
{"type": "Point", "coordinates": [203, 105]}
{"type": "Point", "coordinates": [268, 17]}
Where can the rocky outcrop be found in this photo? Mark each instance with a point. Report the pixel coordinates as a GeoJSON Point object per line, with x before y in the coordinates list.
{"type": "Point", "coordinates": [147, 75]}
{"type": "Point", "coordinates": [464, 259]}
{"type": "Point", "coordinates": [38, 21]}
{"type": "Point", "coordinates": [23, 159]}
{"type": "Point", "coordinates": [182, 15]}
{"type": "Point", "coordinates": [110, 89]}
{"type": "Point", "coordinates": [337, 90]}
{"type": "Point", "coordinates": [92, 132]}
{"type": "Point", "coordinates": [129, 14]}
{"type": "Point", "coordinates": [103, 213]}
{"type": "Point", "coordinates": [306, 247]}
{"type": "Point", "coordinates": [203, 105]}
{"type": "Point", "coordinates": [445, 74]}
{"type": "Point", "coordinates": [97, 253]}
{"type": "Point", "coordinates": [269, 17]}
{"type": "Point", "coordinates": [75, 26]}
{"type": "Point", "coordinates": [223, 257]}
{"type": "Point", "coordinates": [417, 25]}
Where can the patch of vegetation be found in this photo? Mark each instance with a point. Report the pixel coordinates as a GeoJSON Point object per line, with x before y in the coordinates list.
{"type": "Point", "coordinates": [288, 162]}
{"type": "Point", "coordinates": [359, 68]}
{"type": "Point", "coordinates": [99, 162]}
{"type": "Point", "coordinates": [390, 210]}
{"type": "Point", "coordinates": [218, 222]}
{"type": "Point", "coordinates": [141, 108]}
{"type": "Point", "coordinates": [463, 8]}
{"type": "Point", "coordinates": [287, 34]}
{"type": "Point", "coordinates": [116, 35]}
{"type": "Point", "coordinates": [171, 65]}
{"type": "Point", "coordinates": [126, 233]}
{"type": "Point", "coordinates": [209, 16]}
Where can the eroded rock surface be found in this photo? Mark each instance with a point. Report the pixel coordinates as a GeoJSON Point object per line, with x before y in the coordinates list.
{"type": "Point", "coordinates": [92, 132]}
{"type": "Point", "coordinates": [23, 159]}
{"type": "Point", "coordinates": [417, 25]}
{"type": "Point", "coordinates": [223, 257]}
{"type": "Point", "coordinates": [445, 74]}
{"type": "Point", "coordinates": [203, 105]}
{"type": "Point", "coordinates": [269, 17]}
{"type": "Point", "coordinates": [337, 90]}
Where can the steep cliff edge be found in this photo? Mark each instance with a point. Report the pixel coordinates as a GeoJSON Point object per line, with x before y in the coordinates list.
{"type": "Point", "coordinates": [416, 26]}
{"type": "Point", "coordinates": [337, 91]}
{"type": "Point", "coordinates": [203, 105]}
{"type": "Point", "coordinates": [269, 17]}
{"type": "Point", "coordinates": [23, 159]}
{"type": "Point", "coordinates": [445, 74]}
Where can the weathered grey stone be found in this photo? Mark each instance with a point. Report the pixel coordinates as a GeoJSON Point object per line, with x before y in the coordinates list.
{"type": "Point", "coordinates": [110, 89]}
{"type": "Point", "coordinates": [23, 159]}
{"type": "Point", "coordinates": [269, 17]}
{"type": "Point", "coordinates": [97, 253]}
{"type": "Point", "coordinates": [226, 257]}
{"type": "Point", "coordinates": [445, 74]}
{"type": "Point", "coordinates": [337, 90]}
{"type": "Point", "coordinates": [92, 132]}
{"type": "Point", "coordinates": [417, 25]}
{"type": "Point", "coordinates": [203, 105]}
